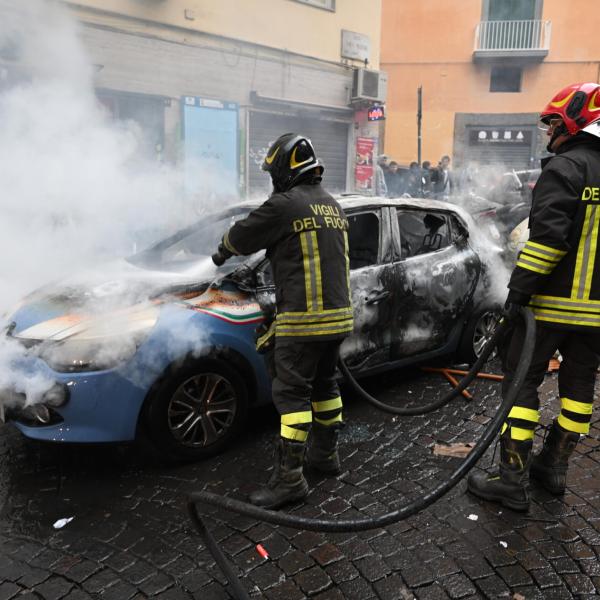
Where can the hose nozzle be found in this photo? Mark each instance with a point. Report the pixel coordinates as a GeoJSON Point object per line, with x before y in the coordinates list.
{"type": "Point", "coordinates": [221, 255]}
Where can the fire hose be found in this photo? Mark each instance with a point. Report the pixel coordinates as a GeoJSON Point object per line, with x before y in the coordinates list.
{"type": "Point", "coordinates": [436, 404]}
{"type": "Point", "coordinates": [405, 511]}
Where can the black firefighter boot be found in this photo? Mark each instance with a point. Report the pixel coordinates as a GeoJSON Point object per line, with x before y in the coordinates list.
{"type": "Point", "coordinates": [508, 484]}
{"type": "Point", "coordinates": [287, 483]}
{"type": "Point", "coordinates": [549, 467]}
{"type": "Point", "coordinates": [322, 453]}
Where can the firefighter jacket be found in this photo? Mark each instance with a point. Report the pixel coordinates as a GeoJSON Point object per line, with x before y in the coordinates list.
{"type": "Point", "coordinates": [305, 233]}
{"type": "Point", "coordinates": [560, 264]}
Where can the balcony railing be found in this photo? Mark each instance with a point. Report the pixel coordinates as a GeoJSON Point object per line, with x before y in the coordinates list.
{"type": "Point", "coordinates": [506, 38]}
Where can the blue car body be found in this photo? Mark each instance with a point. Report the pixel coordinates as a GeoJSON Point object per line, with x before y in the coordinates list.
{"type": "Point", "coordinates": [104, 405]}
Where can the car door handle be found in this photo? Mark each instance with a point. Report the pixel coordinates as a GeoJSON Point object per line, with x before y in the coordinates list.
{"type": "Point", "coordinates": [377, 297]}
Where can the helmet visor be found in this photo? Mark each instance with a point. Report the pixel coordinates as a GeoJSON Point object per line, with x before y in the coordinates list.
{"type": "Point", "coordinates": [549, 123]}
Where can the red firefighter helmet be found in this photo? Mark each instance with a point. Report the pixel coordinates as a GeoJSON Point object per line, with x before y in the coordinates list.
{"type": "Point", "coordinates": [578, 105]}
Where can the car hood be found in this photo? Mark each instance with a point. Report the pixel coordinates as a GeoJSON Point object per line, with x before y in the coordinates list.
{"type": "Point", "coordinates": [100, 301]}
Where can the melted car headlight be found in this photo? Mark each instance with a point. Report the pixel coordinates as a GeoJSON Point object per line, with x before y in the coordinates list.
{"type": "Point", "coordinates": [100, 346]}
{"type": "Point", "coordinates": [89, 355]}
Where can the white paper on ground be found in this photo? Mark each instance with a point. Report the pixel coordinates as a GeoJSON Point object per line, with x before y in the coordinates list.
{"type": "Point", "coordinates": [62, 522]}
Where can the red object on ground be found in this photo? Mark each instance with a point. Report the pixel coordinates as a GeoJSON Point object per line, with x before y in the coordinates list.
{"type": "Point", "coordinates": [262, 551]}
{"type": "Point", "coordinates": [553, 365]}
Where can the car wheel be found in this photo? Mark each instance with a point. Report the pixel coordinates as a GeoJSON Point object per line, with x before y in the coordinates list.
{"type": "Point", "coordinates": [197, 410]}
{"type": "Point", "coordinates": [477, 332]}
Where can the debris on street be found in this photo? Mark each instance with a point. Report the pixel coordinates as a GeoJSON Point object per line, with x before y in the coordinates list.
{"type": "Point", "coordinates": [457, 450]}
{"type": "Point", "coordinates": [62, 522]}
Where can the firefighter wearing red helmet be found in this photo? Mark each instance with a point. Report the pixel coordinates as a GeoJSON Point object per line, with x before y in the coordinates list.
{"type": "Point", "coordinates": [558, 276]}
{"type": "Point", "coordinates": [305, 233]}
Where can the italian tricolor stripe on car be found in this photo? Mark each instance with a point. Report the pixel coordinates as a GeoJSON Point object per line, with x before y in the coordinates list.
{"type": "Point", "coordinates": [241, 319]}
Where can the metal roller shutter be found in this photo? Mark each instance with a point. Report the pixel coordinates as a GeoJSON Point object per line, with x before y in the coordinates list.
{"type": "Point", "coordinates": [330, 139]}
{"type": "Point", "coordinates": [510, 154]}
{"type": "Point", "coordinates": [511, 158]}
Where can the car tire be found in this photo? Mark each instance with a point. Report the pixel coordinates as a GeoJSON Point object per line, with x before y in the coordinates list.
{"type": "Point", "coordinates": [177, 415]}
{"type": "Point", "coordinates": [477, 332]}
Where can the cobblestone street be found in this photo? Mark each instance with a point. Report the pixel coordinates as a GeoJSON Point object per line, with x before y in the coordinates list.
{"type": "Point", "coordinates": [131, 537]}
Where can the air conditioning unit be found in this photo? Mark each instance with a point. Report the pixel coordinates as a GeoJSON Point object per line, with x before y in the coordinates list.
{"type": "Point", "coordinates": [370, 86]}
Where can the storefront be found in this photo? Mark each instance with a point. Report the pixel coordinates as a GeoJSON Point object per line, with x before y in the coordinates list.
{"type": "Point", "coordinates": [510, 141]}
{"type": "Point", "coordinates": [146, 111]}
{"type": "Point", "coordinates": [327, 128]}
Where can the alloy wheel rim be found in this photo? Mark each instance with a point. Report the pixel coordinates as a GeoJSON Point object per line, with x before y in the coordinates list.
{"type": "Point", "coordinates": [202, 410]}
{"type": "Point", "coordinates": [484, 331]}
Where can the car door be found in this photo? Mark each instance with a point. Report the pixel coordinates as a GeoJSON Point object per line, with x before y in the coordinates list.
{"type": "Point", "coordinates": [436, 276]}
{"type": "Point", "coordinates": [372, 284]}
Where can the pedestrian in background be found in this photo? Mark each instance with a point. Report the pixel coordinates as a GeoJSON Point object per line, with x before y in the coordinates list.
{"type": "Point", "coordinates": [441, 179]}
{"type": "Point", "coordinates": [381, 168]}
{"type": "Point", "coordinates": [426, 177]}
{"type": "Point", "coordinates": [413, 180]}
{"type": "Point", "coordinates": [395, 181]}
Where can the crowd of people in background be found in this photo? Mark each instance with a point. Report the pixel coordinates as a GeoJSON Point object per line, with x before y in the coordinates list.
{"type": "Point", "coordinates": [425, 181]}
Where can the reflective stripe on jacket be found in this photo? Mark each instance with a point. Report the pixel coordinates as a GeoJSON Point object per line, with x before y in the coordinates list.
{"type": "Point", "coordinates": [559, 265]}
{"type": "Point", "coordinates": [305, 232]}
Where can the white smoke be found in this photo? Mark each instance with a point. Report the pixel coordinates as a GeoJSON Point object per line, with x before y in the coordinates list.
{"type": "Point", "coordinates": [74, 191]}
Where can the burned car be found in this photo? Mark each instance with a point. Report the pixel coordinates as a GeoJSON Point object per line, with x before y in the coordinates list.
{"type": "Point", "coordinates": [162, 344]}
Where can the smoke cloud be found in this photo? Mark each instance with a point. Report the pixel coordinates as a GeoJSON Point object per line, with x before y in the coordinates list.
{"type": "Point", "coordinates": [76, 190]}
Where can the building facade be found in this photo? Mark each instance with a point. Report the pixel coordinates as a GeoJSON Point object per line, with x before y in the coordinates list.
{"type": "Point", "coordinates": [487, 68]}
{"type": "Point", "coordinates": [214, 83]}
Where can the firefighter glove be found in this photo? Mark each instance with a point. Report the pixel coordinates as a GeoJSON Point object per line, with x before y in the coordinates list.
{"type": "Point", "coordinates": [514, 301]}
{"type": "Point", "coordinates": [221, 255]}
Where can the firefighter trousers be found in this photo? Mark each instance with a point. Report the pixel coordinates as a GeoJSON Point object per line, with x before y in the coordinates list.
{"type": "Point", "coordinates": [304, 385]}
{"type": "Point", "coordinates": [576, 378]}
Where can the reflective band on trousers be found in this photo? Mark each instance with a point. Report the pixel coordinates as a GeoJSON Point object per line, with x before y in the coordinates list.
{"type": "Point", "coordinates": [297, 418]}
{"type": "Point", "coordinates": [574, 426]}
{"type": "Point", "coordinates": [326, 405]}
{"type": "Point", "coordinates": [518, 433]}
{"type": "Point", "coordinates": [582, 408]}
{"type": "Point", "coordinates": [331, 421]}
{"type": "Point", "coordinates": [525, 414]}
{"type": "Point", "coordinates": [293, 434]}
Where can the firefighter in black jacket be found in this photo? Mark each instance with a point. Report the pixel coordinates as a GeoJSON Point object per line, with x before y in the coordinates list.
{"type": "Point", "coordinates": [305, 233]}
{"type": "Point", "coordinates": [558, 276]}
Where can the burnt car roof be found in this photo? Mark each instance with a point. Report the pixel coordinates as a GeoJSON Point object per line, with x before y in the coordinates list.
{"type": "Point", "coordinates": [357, 201]}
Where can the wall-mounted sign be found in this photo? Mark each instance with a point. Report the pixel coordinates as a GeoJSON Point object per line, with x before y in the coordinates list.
{"type": "Point", "coordinates": [505, 136]}
{"type": "Point", "coordinates": [209, 103]}
{"type": "Point", "coordinates": [376, 113]}
{"type": "Point", "coordinates": [356, 45]}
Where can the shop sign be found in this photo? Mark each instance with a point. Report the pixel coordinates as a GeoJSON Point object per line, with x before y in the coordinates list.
{"type": "Point", "coordinates": [364, 169]}
{"type": "Point", "coordinates": [209, 103]}
{"type": "Point", "coordinates": [501, 136]}
{"type": "Point", "coordinates": [376, 113]}
{"type": "Point", "coordinates": [356, 45]}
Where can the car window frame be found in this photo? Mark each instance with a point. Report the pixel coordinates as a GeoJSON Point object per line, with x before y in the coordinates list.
{"type": "Point", "coordinates": [398, 238]}
{"type": "Point", "coordinates": [384, 250]}
{"type": "Point", "coordinates": [384, 253]}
